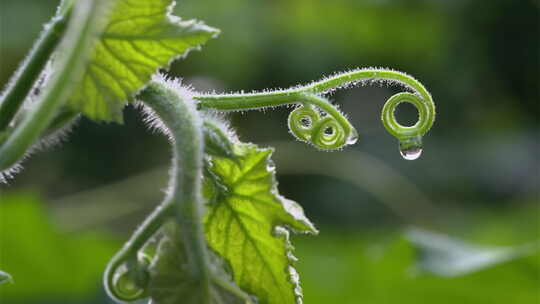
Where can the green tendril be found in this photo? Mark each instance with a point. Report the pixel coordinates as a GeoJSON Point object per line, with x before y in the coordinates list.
{"type": "Point", "coordinates": [128, 281]}
{"type": "Point", "coordinates": [126, 276]}
{"type": "Point", "coordinates": [318, 122]}
{"type": "Point", "coordinates": [301, 121]}
{"type": "Point", "coordinates": [395, 128]}
{"type": "Point", "coordinates": [328, 130]}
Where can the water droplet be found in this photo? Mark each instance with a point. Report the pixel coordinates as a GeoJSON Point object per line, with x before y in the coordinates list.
{"type": "Point", "coordinates": [411, 148]}
{"type": "Point", "coordinates": [411, 154]}
{"type": "Point", "coordinates": [353, 137]}
{"type": "Point", "coordinates": [271, 166]}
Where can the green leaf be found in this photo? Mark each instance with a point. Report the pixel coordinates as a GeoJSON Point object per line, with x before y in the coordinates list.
{"type": "Point", "coordinates": [248, 224]}
{"type": "Point", "coordinates": [46, 263]}
{"type": "Point", "coordinates": [141, 36]}
{"type": "Point", "coordinates": [170, 277]}
{"type": "Point", "coordinates": [379, 266]}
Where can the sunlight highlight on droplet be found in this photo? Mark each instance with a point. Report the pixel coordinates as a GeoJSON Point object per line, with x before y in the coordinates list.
{"type": "Point", "coordinates": [411, 148]}
{"type": "Point", "coordinates": [353, 137]}
{"type": "Point", "coordinates": [409, 154]}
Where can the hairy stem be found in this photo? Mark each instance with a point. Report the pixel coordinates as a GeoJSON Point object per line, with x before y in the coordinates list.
{"type": "Point", "coordinates": [85, 23]}
{"type": "Point", "coordinates": [24, 79]}
{"type": "Point", "coordinates": [184, 199]}
{"type": "Point", "coordinates": [165, 106]}
{"type": "Point", "coordinates": [311, 95]}
{"type": "Point", "coordinates": [184, 124]}
{"type": "Point", "coordinates": [242, 101]}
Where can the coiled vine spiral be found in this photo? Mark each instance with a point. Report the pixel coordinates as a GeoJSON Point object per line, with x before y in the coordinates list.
{"type": "Point", "coordinates": [321, 124]}
{"type": "Point", "coordinates": [328, 130]}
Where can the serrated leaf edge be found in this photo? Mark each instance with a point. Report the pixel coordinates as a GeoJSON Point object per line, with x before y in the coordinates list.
{"type": "Point", "coordinates": [177, 21]}
{"type": "Point", "coordinates": [290, 207]}
{"type": "Point", "coordinates": [172, 20]}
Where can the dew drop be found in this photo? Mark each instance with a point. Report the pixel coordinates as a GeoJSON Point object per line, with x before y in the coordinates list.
{"type": "Point", "coordinates": [411, 154]}
{"type": "Point", "coordinates": [271, 166]}
{"type": "Point", "coordinates": [353, 137]}
{"type": "Point", "coordinates": [411, 148]}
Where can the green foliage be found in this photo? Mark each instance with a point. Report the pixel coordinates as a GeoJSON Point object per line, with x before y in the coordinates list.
{"type": "Point", "coordinates": [171, 280]}
{"type": "Point", "coordinates": [336, 266]}
{"type": "Point", "coordinates": [44, 262]}
{"type": "Point", "coordinates": [240, 249]}
{"type": "Point", "coordinates": [248, 221]}
{"type": "Point", "coordinates": [141, 36]}
{"type": "Point", "coordinates": [382, 269]}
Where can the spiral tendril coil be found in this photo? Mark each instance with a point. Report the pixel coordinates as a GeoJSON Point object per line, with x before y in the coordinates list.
{"type": "Point", "coordinates": [322, 130]}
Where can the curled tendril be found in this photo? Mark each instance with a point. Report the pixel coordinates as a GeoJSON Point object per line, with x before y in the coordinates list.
{"type": "Point", "coordinates": [329, 134]}
{"type": "Point", "coordinates": [126, 278]}
{"type": "Point", "coordinates": [128, 281]}
{"type": "Point", "coordinates": [301, 121]}
{"type": "Point", "coordinates": [325, 132]}
{"type": "Point", "coordinates": [328, 129]}
{"type": "Point", "coordinates": [395, 128]}
{"type": "Point", "coordinates": [410, 138]}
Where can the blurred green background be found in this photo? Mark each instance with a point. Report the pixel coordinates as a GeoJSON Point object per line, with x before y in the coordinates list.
{"type": "Point", "coordinates": [476, 185]}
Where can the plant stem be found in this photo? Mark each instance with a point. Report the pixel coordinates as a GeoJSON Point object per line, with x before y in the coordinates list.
{"type": "Point", "coordinates": [137, 241]}
{"type": "Point", "coordinates": [85, 23]}
{"type": "Point", "coordinates": [25, 77]}
{"type": "Point", "coordinates": [185, 189]}
{"type": "Point", "coordinates": [310, 94]}
{"type": "Point", "coordinates": [232, 288]}
{"type": "Point", "coordinates": [167, 107]}
{"type": "Point", "coordinates": [245, 101]}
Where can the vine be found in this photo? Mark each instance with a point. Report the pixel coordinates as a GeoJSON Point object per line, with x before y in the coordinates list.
{"type": "Point", "coordinates": [31, 68]}
{"type": "Point", "coordinates": [330, 129]}
{"type": "Point", "coordinates": [127, 275]}
{"type": "Point", "coordinates": [86, 21]}
{"type": "Point", "coordinates": [221, 191]}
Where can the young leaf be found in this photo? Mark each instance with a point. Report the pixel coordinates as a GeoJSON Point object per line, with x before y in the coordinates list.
{"type": "Point", "coordinates": [141, 36]}
{"type": "Point", "coordinates": [171, 281]}
{"type": "Point", "coordinates": [248, 221]}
